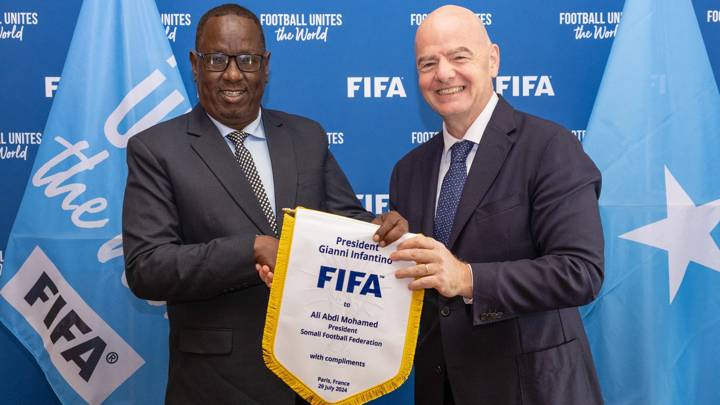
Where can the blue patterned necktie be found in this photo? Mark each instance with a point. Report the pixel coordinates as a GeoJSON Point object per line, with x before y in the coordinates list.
{"type": "Point", "coordinates": [243, 156]}
{"type": "Point", "coordinates": [451, 190]}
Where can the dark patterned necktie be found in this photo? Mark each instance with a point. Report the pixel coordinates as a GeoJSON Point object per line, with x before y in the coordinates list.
{"type": "Point", "coordinates": [242, 155]}
{"type": "Point", "coordinates": [451, 190]}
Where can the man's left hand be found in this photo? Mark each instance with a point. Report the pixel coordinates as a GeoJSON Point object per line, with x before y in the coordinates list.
{"type": "Point", "coordinates": [265, 273]}
{"type": "Point", "coordinates": [392, 227]}
{"type": "Point", "coordinates": [435, 267]}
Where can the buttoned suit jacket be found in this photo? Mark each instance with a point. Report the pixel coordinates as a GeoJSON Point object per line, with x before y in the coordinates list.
{"type": "Point", "coordinates": [189, 223]}
{"type": "Point", "coordinates": [528, 224]}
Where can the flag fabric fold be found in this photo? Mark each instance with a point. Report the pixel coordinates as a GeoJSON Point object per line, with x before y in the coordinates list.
{"type": "Point", "coordinates": [655, 134]}
{"type": "Point", "coordinates": [64, 292]}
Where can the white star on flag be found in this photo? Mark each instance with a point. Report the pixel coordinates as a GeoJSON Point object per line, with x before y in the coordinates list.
{"type": "Point", "coordinates": [684, 234]}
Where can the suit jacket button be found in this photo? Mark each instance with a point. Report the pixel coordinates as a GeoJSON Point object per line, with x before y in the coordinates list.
{"type": "Point", "coordinates": [445, 311]}
{"type": "Point", "coordinates": [438, 369]}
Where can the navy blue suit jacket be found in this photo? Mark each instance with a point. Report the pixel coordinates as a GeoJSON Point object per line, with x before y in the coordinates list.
{"type": "Point", "coordinates": [528, 224]}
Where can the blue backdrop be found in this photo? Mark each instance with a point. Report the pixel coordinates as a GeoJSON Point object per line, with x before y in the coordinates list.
{"type": "Point", "coordinates": [349, 65]}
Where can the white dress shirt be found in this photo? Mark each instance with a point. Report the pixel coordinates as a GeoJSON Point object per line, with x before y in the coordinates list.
{"type": "Point", "coordinates": [256, 144]}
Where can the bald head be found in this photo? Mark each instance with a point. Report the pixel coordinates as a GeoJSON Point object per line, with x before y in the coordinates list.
{"type": "Point", "coordinates": [456, 63]}
{"type": "Point", "coordinates": [453, 18]}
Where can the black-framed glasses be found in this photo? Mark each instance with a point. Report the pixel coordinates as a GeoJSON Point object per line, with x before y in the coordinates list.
{"type": "Point", "coordinates": [218, 61]}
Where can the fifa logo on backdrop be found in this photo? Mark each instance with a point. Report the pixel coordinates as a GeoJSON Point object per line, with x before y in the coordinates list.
{"type": "Point", "coordinates": [171, 21]}
{"type": "Point", "coordinates": [375, 203]}
{"type": "Point", "coordinates": [51, 84]}
{"type": "Point", "coordinates": [375, 87]}
{"type": "Point", "coordinates": [524, 86]}
{"type": "Point", "coordinates": [579, 134]}
{"type": "Point", "coordinates": [14, 22]}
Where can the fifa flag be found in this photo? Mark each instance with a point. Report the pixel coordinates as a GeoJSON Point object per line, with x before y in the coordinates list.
{"type": "Point", "coordinates": [63, 288]}
{"type": "Point", "coordinates": [340, 328]}
{"type": "Point", "coordinates": [655, 135]}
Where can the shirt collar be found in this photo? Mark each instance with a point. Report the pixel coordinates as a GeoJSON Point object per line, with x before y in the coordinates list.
{"type": "Point", "coordinates": [475, 132]}
{"type": "Point", "coordinates": [251, 128]}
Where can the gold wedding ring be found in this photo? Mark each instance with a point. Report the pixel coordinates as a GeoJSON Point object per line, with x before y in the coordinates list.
{"type": "Point", "coordinates": [427, 269]}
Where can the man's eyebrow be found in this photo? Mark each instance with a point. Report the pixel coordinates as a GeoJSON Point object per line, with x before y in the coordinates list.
{"type": "Point", "coordinates": [459, 50]}
{"type": "Point", "coordinates": [425, 59]}
{"type": "Point", "coordinates": [454, 51]}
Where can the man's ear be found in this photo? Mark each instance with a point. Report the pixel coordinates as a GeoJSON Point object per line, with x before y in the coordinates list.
{"type": "Point", "coordinates": [494, 60]}
{"type": "Point", "coordinates": [193, 63]}
{"type": "Point", "coordinates": [266, 68]}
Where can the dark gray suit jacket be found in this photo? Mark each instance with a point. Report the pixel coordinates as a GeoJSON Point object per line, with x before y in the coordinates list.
{"type": "Point", "coordinates": [528, 223]}
{"type": "Point", "coordinates": [189, 224]}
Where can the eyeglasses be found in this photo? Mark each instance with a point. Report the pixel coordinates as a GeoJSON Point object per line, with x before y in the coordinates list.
{"type": "Point", "coordinates": [218, 61]}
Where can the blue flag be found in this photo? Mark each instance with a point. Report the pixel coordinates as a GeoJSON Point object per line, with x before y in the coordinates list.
{"type": "Point", "coordinates": [63, 287]}
{"type": "Point", "coordinates": [655, 135]}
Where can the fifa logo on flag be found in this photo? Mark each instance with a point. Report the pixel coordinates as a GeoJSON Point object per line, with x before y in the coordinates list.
{"type": "Point", "coordinates": [375, 87]}
{"type": "Point", "coordinates": [92, 357]}
{"type": "Point", "coordinates": [86, 354]}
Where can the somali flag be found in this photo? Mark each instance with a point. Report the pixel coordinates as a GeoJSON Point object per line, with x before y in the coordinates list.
{"type": "Point", "coordinates": [64, 293]}
{"type": "Point", "coordinates": [655, 135]}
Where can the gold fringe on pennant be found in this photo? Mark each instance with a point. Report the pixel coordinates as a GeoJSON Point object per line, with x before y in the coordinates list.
{"type": "Point", "coordinates": [275, 301]}
{"type": "Point", "coordinates": [273, 314]}
{"type": "Point", "coordinates": [273, 311]}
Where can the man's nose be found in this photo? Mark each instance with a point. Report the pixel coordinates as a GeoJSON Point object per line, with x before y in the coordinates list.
{"type": "Point", "coordinates": [445, 70]}
{"type": "Point", "coordinates": [232, 71]}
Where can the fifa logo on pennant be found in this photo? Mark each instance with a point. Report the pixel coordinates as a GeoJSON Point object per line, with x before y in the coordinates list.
{"type": "Point", "coordinates": [370, 285]}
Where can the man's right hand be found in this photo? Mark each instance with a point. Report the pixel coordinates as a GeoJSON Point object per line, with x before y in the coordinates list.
{"type": "Point", "coordinates": [265, 251]}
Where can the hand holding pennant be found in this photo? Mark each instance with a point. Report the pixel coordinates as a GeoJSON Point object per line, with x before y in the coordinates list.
{"type": "Point", "coordinates": [340, 327]}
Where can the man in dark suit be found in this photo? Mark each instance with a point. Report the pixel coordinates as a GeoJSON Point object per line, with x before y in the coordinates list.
{"type": "Point", "coordinates": [511, 202]}
{"type": "Point", "coordinates": [203, 207]}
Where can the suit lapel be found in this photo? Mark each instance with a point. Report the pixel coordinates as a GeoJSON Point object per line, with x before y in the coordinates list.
{"type": "Point", "coordinates": [214, 151]}
{"type": "Point", "coordinates": [489, 158]}
{"type": "Point", "coordinates": [282, 156]}
{"type": "Point", "coordinates": [429, 169]}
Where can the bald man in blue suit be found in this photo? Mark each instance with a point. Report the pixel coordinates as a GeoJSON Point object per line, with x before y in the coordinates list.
{"type": "Point", "coordinates": [511, 203]}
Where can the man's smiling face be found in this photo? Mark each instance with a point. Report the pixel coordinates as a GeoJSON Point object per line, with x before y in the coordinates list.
{"type": "Point", "coordinates": [231, 96]}
{"type": "Point", "coordinates": [456, 63]}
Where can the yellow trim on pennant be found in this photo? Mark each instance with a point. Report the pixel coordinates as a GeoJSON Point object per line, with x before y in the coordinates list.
{"type": "Point", "coordinates": [273, 314]}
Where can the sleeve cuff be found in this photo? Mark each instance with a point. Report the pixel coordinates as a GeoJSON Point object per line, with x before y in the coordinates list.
{"type": "Point", "coordinates": [469, 301]}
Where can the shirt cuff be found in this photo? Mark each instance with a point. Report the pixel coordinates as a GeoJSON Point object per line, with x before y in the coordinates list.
{"type": "Point", "coordinates": [469, 300]}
